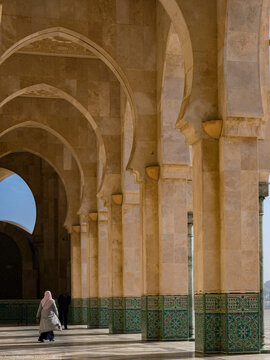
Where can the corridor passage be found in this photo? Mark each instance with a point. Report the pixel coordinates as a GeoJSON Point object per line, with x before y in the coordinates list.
{"type": "Point", "coordinates": [81, 343]}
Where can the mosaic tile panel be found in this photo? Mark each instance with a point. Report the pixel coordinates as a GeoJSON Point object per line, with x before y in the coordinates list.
{"type": "Point", "coordinates": [165, 317]}
{"type": "Point", "coordinates": [103, 313]}
{"type": "Point", "coordinates": [93, 313]}
{"type": "Point", "coordinates": [116, 315]}
{"type": "Point", "coordinates": [84, 311]}
{"type": "Point", "coordinates": [75, 312]}
{"type": "Point", "coordinates": [227, 323]}
{"type": "Point", "coordinates": [175, 317]}
{"type": "Point", "coordinates": [132, 315]}
{"type": "Point", "coordinates": [19, 312]}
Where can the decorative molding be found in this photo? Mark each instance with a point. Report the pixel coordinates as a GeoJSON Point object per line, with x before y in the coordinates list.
{"type": "Point", "coordinates": [131, 198]}
{"type": "Point", "coordinates": [243, 127]}
{"type": "Point", "coordinates": [57, 46]}
{"type": "Point", "coordinates": [176, 171]}
{"type": "Point", "coordinates": [117, 199]}
{"type": "Point", "coordinates": [213, 128]}
{"type": "Point", "coordinates": [153, 172]}
{"type": "Point", "coordinates": [103, 216]}
{"type": "Point", "coordinates": [93, 216]}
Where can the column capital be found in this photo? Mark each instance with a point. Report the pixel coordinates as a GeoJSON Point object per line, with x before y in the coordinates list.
{"type": "Point", "coordinates": [102, 216]}
{"type": "Point", "coordinates": [176, 171]}
{"type": "Point", "coordinates": [153, 172]}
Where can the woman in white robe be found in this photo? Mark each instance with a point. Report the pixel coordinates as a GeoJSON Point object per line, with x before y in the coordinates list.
{"type": "Point", "coordinates": [47, 316]}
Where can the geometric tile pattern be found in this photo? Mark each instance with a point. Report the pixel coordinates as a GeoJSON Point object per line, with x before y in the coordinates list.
{"type": "Point", "coordinates": [75, 312]}
{"type": "Point", "coordinates": [19, 312]}
{"type": "Point", "coordinates": [93, 317]}
{"type": "Point", "coordinates": [124, 315]}
{"type": "Point", "coordinates": [103, 313]}
{"type": "Point", "coordinates": [84, 311]}
{"type": "Point", "coordinates": [165, 317]}
{"type": "Point", "coordinates": [227, 323]}
{"type": "Point", "coordinates": [132, 315]}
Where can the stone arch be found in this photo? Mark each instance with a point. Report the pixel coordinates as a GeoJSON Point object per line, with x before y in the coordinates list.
{"type": "Point", "coordinates": [173, 10]}
{"type": "Point", "coordinates": [94, 48]}
{"type": "Point", "coordinates": [67, 179]}
{"type": "Point", "coordinates": [65, 96]}
{"type": "Point", "coordinates": [172, 147]}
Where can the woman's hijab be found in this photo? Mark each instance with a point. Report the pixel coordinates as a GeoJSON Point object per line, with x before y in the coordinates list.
{"type": "Point", "coordinates": [47, 300]}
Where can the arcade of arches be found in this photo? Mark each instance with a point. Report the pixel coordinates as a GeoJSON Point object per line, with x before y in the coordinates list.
{"type": "Point", "coordinates": [133, 121]}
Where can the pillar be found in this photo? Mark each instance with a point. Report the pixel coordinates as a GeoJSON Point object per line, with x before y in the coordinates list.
{"type": "Point", "coordinates": [263, 193]}
{"type": "Point", "coordinates": [226, 245]}
{"type": "Point", "coordinates": [132, 262]}
{"type": "Point", "coordinates": [84, 234]}
{"type": "Point", "coordinates": [75, 254]}
{"type": "Point", "coordinates": [150, 236]}
{"type": "Point", "coordinates": [103, 269]}
{"type": "Point", "coordinates": [93, 313]}
{"type": "Point", "coordinates": [116, 303]}
{"type": "Point", "coordinates": [165, 302]}
{"type": "Point", "coordinates": [190, 276]}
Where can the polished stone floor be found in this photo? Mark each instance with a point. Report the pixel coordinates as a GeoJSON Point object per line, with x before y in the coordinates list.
{"type": "Point", "coordinates": [81, 343]}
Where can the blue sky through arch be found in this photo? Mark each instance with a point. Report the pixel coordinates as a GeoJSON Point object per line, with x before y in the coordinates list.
{"type": "Point", "coordinates": [17, 203]}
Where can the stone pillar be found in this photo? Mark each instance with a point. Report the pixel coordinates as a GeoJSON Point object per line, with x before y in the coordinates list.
{"type": "Point", "coordinates": [150, 236]}
{"type": "Point", "coordinates": [263, 193]}
{"type": "Point", "coordinates": [190, 276]}
{"type": "Point", "coordinates": [103, 269]}
{"type": "Point", "coordinates": [75, 254]}
{"type": "Point", "coordinates": [93, 318]}
{"type": "Point", "coordinates": [84, 267]}
{"type": "Point", "coordinates": [132, 262]}
{"type": "Point", "coordinates": [116, 304]}
{"type": "Point", "coordinates": [226, 245]}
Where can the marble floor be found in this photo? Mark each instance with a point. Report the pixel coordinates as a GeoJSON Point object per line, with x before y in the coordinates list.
{"type": "Point", "coordinates": [81, 343]}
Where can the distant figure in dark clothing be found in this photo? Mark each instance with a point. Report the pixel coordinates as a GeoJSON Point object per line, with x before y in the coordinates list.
{"type": "Point", "coordinates": [63, 304]}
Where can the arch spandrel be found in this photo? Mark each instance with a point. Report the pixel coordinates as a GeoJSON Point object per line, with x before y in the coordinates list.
{"type": "Point", "coordinates": [46, 148]}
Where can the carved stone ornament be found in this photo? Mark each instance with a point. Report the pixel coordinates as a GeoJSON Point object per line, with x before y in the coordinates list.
{"type": "Point", "coordinates": [117, 199]}
{"type": "Point", "coordinates": [213, 128]}
{"type": "Point", "coordinates": [153, 172]}
{"type": "Point", "coordinates": [93, 216]}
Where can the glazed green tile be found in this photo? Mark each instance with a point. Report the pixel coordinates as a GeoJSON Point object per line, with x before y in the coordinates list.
{"type": "Point", "coordinates": [227, 323]}
{"type": "Point", "coordinates": [103, 313]}
{"type": "Point", "coordinates": [132, 315]}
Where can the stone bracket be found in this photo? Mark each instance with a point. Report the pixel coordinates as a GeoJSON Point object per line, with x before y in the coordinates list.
{"type": "Point", "coordinates": [213, 128]}
{"type": "Point", "coordinates": [153, 172]}
{"type": "Point", "coordinates": [117, 199]}
{"type": "Point", "coordinates": [93, 216]}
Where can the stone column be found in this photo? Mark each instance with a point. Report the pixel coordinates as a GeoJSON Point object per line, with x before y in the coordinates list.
{"type": "Point", "coordinates": [263, 193]}
{"type": "Point", "coordinates": [150, 236]}
{"type": "Point", "coordinates": [103, 269]}
{"type": "Point", "coordinates": [132, 262]}
{"type": "Point", "coordinates": [93, 318]}
{"type": "Point", "coordinates": [75, 254]}
{"type": "Point", "coordinates": [84, 266]}
{"type": "Point", "coordinates": [116, 305]}
{"type": "Point", "coordinates": [226, 245]}
{"type": "Point", "coordinates": [190, 276]}
{"type": "Point", "coordinates": [173, 250]}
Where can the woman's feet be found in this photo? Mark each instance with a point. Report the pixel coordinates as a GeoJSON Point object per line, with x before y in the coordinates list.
{"type": "Point", "coordinates": [40, 340]}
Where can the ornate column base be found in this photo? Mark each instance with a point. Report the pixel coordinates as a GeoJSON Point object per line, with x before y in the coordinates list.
{"type": "Point", "coordinates": [125, 315]}
{"type": "Point", "coordinates": [132, 315]}
{"type": "Point", "coordinates": [92, 314]}
{"type": "Point", "coordinates": [103, 313]}
{"type": "Point", "coordinates": [227, 323]}
{"type": "Point", "coordinates": [165, 317]}
{"type": "Point", "coordinates": [75, 312]}
{"type": "Point", "coordinates": [116, 315]}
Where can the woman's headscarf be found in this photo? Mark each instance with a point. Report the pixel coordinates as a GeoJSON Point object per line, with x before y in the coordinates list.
{"type": "Point", "coordinates": [47, 300]}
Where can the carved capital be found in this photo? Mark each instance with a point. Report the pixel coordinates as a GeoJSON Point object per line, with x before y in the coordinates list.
{"type": "Point", "coordinates": [153, 172]}
{"type": "Point", "coordinates": [93, 216]}
{"type": "Point", "coordinates": [117, 199]}
{"type": "Point", "coordinates": [243, 127]}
